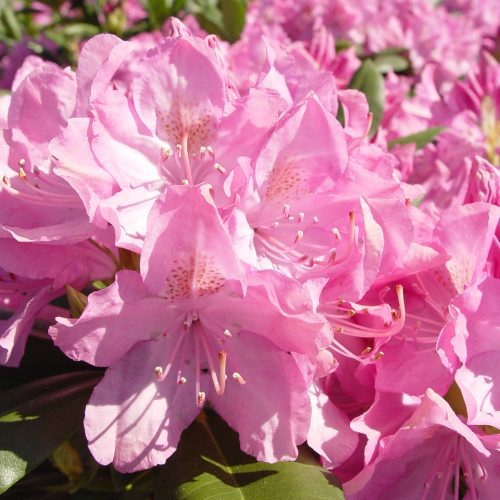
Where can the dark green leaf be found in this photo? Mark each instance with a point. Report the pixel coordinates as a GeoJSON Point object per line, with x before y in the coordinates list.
{"type": "Point", "coordinates": [210, 464]}
{"type": "Point", "coordinates": [160, 10]}
{"type": "Point", "coordinates": [233, 13]}
{"type": "Point", "coordinates": [340, 114]}
{"type": "Point", "coordinates": [369, 80]}
{"type": "Point", "coordinates": [420, 139]}
{"type": "Point", "coordinates": [36, 418]}
{"type": "Point", "coordinates": [396, 62]}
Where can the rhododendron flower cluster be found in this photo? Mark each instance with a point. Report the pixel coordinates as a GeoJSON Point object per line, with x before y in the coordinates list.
{"type": "Point", "coordinates": [256, 249]}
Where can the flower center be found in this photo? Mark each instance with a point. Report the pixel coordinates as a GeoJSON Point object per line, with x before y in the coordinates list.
{"type": "Point", "coordinates": [193, 330]}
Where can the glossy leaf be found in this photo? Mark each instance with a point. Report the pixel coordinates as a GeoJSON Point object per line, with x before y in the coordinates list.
{"type": "Point", "coordinates": [369, 80]}
{"type": "Point", "coordinates": [35, 419]}
{"type": "Point", "coordinates": [396, 62]}
{"type": "Point", "coordinates": [420, 139]}
{"type": "Point", "coordinates": [210, 464]}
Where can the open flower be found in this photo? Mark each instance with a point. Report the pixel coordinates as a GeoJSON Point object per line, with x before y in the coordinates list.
{"type": "Point", "coordinates": [173, 334]}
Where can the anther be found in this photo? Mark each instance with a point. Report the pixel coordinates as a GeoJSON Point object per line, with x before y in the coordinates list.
{"type": "Point", "coordinates": [159, 373]}
{"type": "Point", "coordinates": [336, 233]}
{"type": "Point", "coordinates": [379, 355]}
{"type": "Point", "coordinates": [22, 174]}
{"type": "Point", "coordinates": [440, 475]}
{"type": "Point", "coordinates": [338, 329]}
{"type": "Point", "coordinates": [166, 153]}
{"type": "Point", "coordinates": [210, 151]}
{"type": "Point", "coordinates": [227, 333]}
{"type": "Point", "coordinates": [182, 380]}
{"type": "Point", "coordinates": [286, 210]}
{"type": "Point", "coordinates": [275, 224]}
{"type": "Point", "coordinates": [22, 162]}
{"type": "Point", "coordinates": [185, 182]}
{"type": "Point", "coordinates": [201, 399]}
{"type": "Point", "coordinates": [299, 236]}
{"type": "Point", "coordinates": [6, 180]}
{"type": "Point", "coordinates": [178, 149]}
{"type": "Point", "coordinates": [203, 151]}
{"type": "Point", "coordinates": [366, 350]}
{"type": "Point", "coordinates": [300, 217]}
{"type": "Point", "coordinates": [219, 168]}
{"type": "Point", "coordinates": [315, 220]}
{"type": "Point", "coordinates": [239, 378]}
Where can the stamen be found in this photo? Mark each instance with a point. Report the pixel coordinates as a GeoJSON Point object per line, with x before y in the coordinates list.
{"type": "Point", "coordinates": [161, 373]}
{"type": "Point", "coordinates": [185, 158]}
{"type": "Point", "coordinates": [299, 236]}
{"type": "Point", "coordinates": [166, 153]}
{"type": "Point", "coordinates": [222, 371]}
{"type": "Point", "coordinates": [200, 399]}
{"type": "Point", "coordinates": [22, 174]}
{"type": "Point", "coordinates": [219, 168]}
{"type": "Point", "coordinates": [210, 361]}
{"type": "Point", "coordinates": [239, 378]}
{"type": "Point", "coordinates": [197, 371]}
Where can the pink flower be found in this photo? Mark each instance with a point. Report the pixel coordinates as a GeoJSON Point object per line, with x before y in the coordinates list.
{"type": "Point", "coordinates": [428, 456]}
{"type": "Point", "coordinates": [192, 325]}
{"type": "Point", "coordinates": [471, 346]}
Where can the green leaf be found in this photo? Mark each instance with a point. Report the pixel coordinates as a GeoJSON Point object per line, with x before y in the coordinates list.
{"type": "Point", "coordinates": [233, 14]}
{"type": "Point", "coordinates": [386, 62]}
{"type": "Point", "coordinates": [35, 419]}
{"type": "Point", "coordinates": [420, 139]}
{"type": "Point", "coordinates": [340, 114]}
{"type": "Point", "coordinates": [369, 80]}
{"type": "Point", "coordinates": [160, 10]}
{"type": "Point", "coordinates": [79, 30]}
{"type": "Point", "coordinates": [224, 18]}
{"type": "Point", "coordinates": [13, 28]}
{"type": "Point", "coordinates": [210, 464]}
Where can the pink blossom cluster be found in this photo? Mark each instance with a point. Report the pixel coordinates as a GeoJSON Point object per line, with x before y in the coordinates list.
{"type": "Point", "coordinates": [256, 255]}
